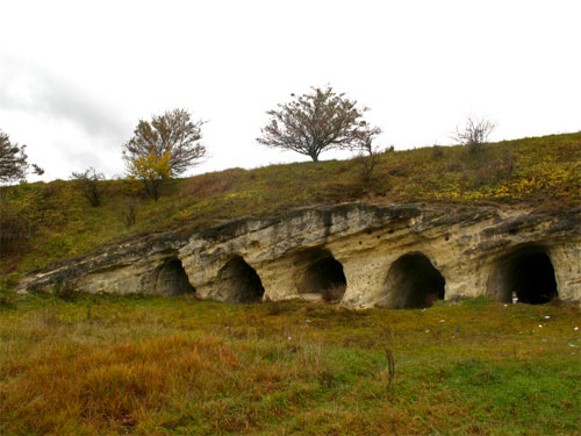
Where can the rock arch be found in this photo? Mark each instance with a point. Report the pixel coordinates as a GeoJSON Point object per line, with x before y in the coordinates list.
{"type": "Point", "coordinates": [319, 275]}
{"type": "Point", "coordinates": [413, 282]}
{"type": "Point", "coordinates": [238, 282]}
{"type": "Point", "coordinates": [478, 248]}
{"type": "Point", "coordinates": [171, 279]}
{"type": "Point", "coordinates": [525, 274]}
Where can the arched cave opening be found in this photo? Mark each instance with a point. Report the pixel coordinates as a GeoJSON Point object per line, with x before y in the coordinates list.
{"type": "Point", "coordinates": [239, 282]}
{"type": "Point", "coordinates": [321, 276]}
{"type": "Point", "coordinates": [412, 282]}
{"type": "Point", "coordinates": [526, 276]}
{"type": "Point", "coordinates": [172, 279]}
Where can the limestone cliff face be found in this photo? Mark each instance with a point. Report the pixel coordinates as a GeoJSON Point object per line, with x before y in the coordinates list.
{"type": "Point", "coordinates": [363, 255]}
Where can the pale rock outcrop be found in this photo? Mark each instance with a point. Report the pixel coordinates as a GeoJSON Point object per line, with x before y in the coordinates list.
{"type": "Point", "coordinates": [364, 255]}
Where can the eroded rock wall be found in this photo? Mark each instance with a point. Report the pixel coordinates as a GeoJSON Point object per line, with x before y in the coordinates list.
{"type": "Point", "coordinates": [360, 254]}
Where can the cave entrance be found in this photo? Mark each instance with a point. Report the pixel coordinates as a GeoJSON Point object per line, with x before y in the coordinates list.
{"type": "Point", "coordinates": [321, 276]}
{"type": "Point", "coordinates": [525, 276]}
{"type": "Point", "coordinates": [172, 279]}
{"type": "Point", "coordinates": [239, 282]}
{"type": "Point", "coordinates": [413, 282]}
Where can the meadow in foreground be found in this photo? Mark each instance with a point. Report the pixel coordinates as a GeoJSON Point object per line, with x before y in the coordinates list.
{"type": "Point", "coordinates": [153, 365]}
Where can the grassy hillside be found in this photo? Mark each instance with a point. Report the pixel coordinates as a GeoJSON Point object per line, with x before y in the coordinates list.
{"type": "Point", "coordinates": [155, 365]}
{"type": "Point", "coordinates": [114, 365]}
{"type": "Point", "coordinates": [42, 223]}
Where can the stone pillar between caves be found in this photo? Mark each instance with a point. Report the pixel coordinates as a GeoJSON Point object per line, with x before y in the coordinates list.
{"type": "Point", "coordinates": [566, 260]}
{"type": "Point", "coordinates": [277, 279]}
{"type": "Point", "coordinates": [365, 274]}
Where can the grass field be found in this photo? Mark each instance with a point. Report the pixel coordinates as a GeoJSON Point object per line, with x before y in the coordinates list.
{"type": "Point", "coordinates": [153, 365]}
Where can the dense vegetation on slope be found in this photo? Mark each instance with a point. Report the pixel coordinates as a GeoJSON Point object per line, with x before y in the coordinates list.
{"type": "Point", "coordinates": [42, 223]}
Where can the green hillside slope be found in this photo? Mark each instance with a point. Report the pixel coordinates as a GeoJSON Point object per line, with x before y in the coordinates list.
{"type": "Point", "coordinates": [45, 222]}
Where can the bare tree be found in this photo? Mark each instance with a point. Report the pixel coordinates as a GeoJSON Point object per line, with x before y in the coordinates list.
{"type": "Point", "coordinates": [89, 184]}
{"type": "Point", "coordinates": [129, 212]}
{"type": "Point", "coordinates": [368, 157]}
{"type": "Point", "coordinates": [14, 164]}
{"type": "Point", "coordinates": [315, 122]}
{"type": "Point", "coordinates": [163, 148]}
{"type": "Point", "coordinates": [474, 134]}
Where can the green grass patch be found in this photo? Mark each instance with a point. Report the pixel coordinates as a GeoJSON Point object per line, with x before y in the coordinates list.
{"type": "Point", "coordinates": [153, 365]}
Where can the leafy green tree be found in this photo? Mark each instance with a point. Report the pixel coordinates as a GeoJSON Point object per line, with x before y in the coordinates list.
{"type": "Point", "coordinates": [14, 164]}
{"type": "Point", "coordinates": [165, 147]}
{"type": "Point", "coordinates": [315, 122]}
{"type": "Point", "coordinates": [89, 184]}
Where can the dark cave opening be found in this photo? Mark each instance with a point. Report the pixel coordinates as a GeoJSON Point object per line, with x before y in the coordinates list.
{"type": "Point", "coordinates": [172, 279]}
{"type": "Point", "coordinates": [321, 275]}
{"type": "Point", "coordinates": [525, 276]}
{"type": "Point", "coordinates": [413, 282]}
{"type": "Point", "coordinates": [239, 282]}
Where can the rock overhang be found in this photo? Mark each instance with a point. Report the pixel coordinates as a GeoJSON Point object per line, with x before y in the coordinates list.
{"type": "Point", "coordinates": [463, 243]}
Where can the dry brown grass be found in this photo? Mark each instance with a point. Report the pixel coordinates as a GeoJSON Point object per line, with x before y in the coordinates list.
{"type": "Point", "coordinates": [161, 366]}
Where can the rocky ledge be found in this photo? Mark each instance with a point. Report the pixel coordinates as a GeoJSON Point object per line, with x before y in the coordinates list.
{"type": "Point", "coordinates": [362, 255]}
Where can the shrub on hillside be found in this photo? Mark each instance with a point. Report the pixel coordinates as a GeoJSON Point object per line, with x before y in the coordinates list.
{"type": "Point", "coordinates": [474, 135]}
{"type": "Point", "coordinates": [89, 185]}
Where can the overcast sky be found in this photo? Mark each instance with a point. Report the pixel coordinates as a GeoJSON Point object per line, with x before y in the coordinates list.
{"type": "Point", "coordinates": [76, 76]}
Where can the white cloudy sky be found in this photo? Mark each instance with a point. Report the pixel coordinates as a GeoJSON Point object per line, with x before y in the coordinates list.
{"type": "Point", "coordinates": [76, 76]}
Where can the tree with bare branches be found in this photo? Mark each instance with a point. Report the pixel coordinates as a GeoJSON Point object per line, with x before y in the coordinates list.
{"type": "Point", "coordinates": [163, 148]}
{"type": "Point", "coordinates": [89, 185]}
{"type": "Point", "coordinates": [474, 134]}
{"type": "Point", "coordinates": [315, 122]}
